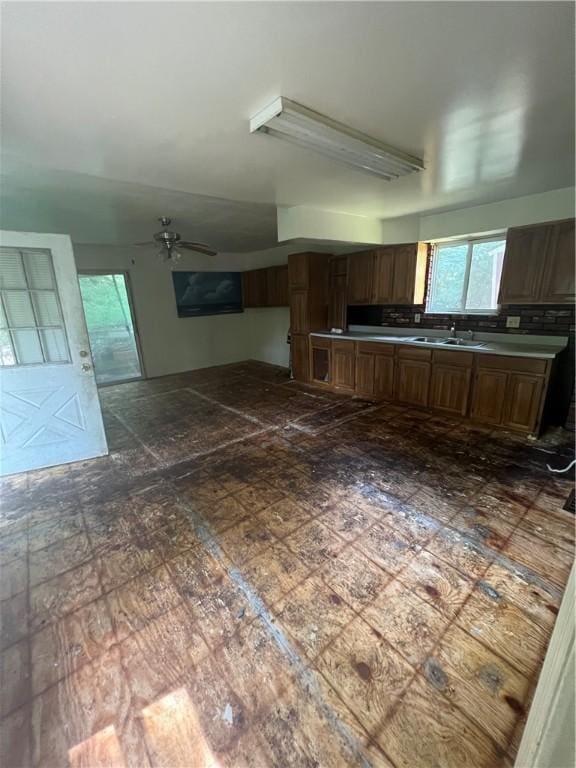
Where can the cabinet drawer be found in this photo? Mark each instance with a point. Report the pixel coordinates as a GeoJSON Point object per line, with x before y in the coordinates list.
{"type": "Point", "coordinates": [343, 345]}
{"type": "Point", "coordinates": [375, 348]}
{"type": "Point", "coordinates": [460, 359]}
{"type": "Point", "coordinates": [414, 353]}
{"type": "Point", "coordinates": [320, 343]}
{"type": "Point", "coordinates": [504, 363]}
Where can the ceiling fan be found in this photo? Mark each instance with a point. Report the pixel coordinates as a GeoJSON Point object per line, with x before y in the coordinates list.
{"type": "Point", "coordinates": [170, 243]}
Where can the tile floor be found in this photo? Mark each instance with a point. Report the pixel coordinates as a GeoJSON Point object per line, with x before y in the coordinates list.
{"type": "Point", "coordinates": [263, 574]}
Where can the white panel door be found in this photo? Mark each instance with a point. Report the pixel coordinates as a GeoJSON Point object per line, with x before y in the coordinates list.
{"type": "Point", "coordinates": [49, 407]}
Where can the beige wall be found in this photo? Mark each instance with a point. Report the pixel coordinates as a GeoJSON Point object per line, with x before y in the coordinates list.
{"type": "Point", "coordinates": [170, 344]}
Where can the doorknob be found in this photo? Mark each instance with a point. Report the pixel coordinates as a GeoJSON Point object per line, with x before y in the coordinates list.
{"type": "Point", "coordinates": [83, 353]}
{"type": "Point", "coordinates": [86, 366]}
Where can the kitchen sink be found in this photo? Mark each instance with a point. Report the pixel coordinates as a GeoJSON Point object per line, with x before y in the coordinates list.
{"type": "Point", "coordinates": [463, 343]}
{"type": "Point", "coordinates": [447, 342]}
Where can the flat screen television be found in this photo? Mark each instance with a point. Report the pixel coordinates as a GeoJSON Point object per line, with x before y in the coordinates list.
{"type": "Point", "coordinates": [207, 293]}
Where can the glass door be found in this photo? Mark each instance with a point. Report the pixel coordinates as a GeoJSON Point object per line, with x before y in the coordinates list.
{"type": "Point", "coordinates": [111, 327]}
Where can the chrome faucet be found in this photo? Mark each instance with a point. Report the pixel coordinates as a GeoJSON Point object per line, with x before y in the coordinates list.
{"type": "Point", "coordinates": [453, 331]}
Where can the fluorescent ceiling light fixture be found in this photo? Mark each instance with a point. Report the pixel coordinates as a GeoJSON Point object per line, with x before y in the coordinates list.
{"type": "Point", "coordinates": [292, 122]}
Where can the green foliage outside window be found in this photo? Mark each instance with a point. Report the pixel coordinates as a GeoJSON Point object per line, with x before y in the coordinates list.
{"type": "Point", "coordinates": [105, 301]}
{"type": "Point", "coordinates": [466, 277]}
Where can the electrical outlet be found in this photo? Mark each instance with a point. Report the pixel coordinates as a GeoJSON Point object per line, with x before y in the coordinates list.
{"type": "Point", "coordinates": [417, 317]}
{"type": "Point", "coordinates": [513, 321]}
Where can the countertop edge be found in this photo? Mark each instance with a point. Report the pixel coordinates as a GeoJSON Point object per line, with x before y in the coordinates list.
{"type": "Point", "coordinates": [490, 348]}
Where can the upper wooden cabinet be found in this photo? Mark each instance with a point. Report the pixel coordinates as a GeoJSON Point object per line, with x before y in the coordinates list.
{"type": "Point", "coordinates": [395, 274]}
{"type": "Point", "coordinates": [361, 277]}
{"type": "Point", "coordinates": [409, 273]}
{"type": "Point", "coordinates": [383, 278]}
{"type": "Point", "coordinates": [299, 270]}
{"type": "Point", "coordinates": [266, 287]}
{"type": "Point", "coordinates": [539, 264]}
{"type": "Point", "coordinates": [558, 278]}
{"type": "Point", "coordinates": [254, 288]}
{"type": "Point", "coordinates": [277, 286]}
{"type": "Point", "coordinates": [337, 292]}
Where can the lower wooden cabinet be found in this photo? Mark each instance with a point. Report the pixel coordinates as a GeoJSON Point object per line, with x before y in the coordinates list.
{"type": "Point", "coordinates": [450, 388]}
{"type": "Point", "coordinates": [523, 396]}
{"type": "Point", "coordinates": [507, 398]}
{"type": "Point", "coordinates": [384, 368]}
{"type": "Point", "coordinates": [412, 381]}
{"type": "Point", "coordinates": [320, 354]}
{"type": "Point", "coordinates": [492, 389]}
{"type": "Point", "coordinates": [300, 354]}
{"type": "Point", "coordinates": [365, 373]}
{"type": "Point", "coordinates": [488, 396]}
{"type": "Point", "coordinates": [344, 365]}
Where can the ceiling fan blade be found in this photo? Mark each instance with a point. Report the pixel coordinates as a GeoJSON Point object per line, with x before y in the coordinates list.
{"type": "Point", "coordinates": [148, 242]}
{"type": "Point", "coordinates": [200, 247]}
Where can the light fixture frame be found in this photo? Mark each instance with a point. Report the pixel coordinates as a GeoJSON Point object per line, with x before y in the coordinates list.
{"type": "Point", "coordinates": [358, 150]}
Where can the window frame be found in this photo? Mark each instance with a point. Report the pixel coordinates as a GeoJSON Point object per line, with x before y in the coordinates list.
{"type": "Point", "coordinates": [38, 328]}
{"type": "Point", "coordinates": [470, 243]}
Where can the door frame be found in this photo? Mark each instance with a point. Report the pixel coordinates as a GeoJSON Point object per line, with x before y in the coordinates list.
{"type": "Point", "coordinates": [128, 284]}
{"type": "Point", "coordinates": [544, 732]}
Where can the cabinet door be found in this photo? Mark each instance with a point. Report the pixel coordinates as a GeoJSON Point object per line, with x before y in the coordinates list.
{"type": "Point", "coordinates": [254, 288]}
{"type": "Point", "coordinates": [343, 369]}
{"type": "Point", "coordinates": [413, 382]}
{"type": "Point", "coordinates": [299, 312]}
{"type": "Point", "coordinates": [365, 374]}
{"type": "Point", "coordinates": [298, 270]}
{"type": "Point", "coordinates": [338, 265]}
{"type": "Point", "coordinates": [522, 405]}
{"type": "Point", "coordinates": [524, 261]}
{"type": "Point", "coordinates": [277, 286]}
{"type": "Point", "coordinates": [384, 377]}
{"type": "Point", "coordinates": [360, 277]}
{"type": "Point", "coordinates": [449, 388]}
{"type": "Point", "coordinates": [405, 257]}
{"type": "Point", "coordinates": [558, 281]}
{"type": "Point", "coordinates": [383, 289]}
{"type": "Point", "coordinates": [299, 349]}
{"type": "Point", "coordinates": [488, 396]}
{"type": "Point", "coordinates": [337, 302]}
{"type": "Point", "coordinates": [320, 364]}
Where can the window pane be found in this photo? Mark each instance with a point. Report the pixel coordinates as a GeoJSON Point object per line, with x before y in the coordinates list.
{"type": "Point", "coordinates": [485, 270]}
{"type": "Point", "coordinates": [11, 269]}
{"type": "Point", "coordinates": [55, 345]}
{"type": "Point", "coordinates": [448, 278]}
{"type": "Point", "coordinates": [47, 309]}
{"type": "Point", "coordinates": [39, 269]}
{"type": "Point", "coordinates": [28, 349]}
{"type": "Point", "coordinates": [6, 351]}
{"type": "Point", "coordinates": [3, 323]}
{"type": "Point", "coordinates": [19, 309]}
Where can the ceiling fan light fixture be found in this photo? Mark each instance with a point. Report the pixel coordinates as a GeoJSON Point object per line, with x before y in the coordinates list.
{"type": "Point", "coordinates": [287, 120]}
{"type": "Point", "coordinates": [171, 244]}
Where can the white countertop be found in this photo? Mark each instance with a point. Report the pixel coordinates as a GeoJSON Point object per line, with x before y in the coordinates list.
{"type": "Point", "coordinates": [546, 347]}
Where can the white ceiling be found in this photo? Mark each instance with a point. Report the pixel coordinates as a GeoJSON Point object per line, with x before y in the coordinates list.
{"type": "Point", "coordinates": [115, 113]}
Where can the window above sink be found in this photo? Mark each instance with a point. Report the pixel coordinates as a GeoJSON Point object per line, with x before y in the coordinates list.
{"type": "Point", "coordinates": [465, 277]}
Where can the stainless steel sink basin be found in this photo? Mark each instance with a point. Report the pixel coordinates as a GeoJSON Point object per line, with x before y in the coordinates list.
{"type": "Point", "coordinates": [447, 342]}
{"type": "Point", "coordinates": [463, 343]}
{"type": "Point", "coordinates": [427, 340]}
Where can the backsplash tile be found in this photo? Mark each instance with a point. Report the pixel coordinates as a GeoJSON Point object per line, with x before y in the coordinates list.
{"type": "Point", "coordinates": [536, 319]}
